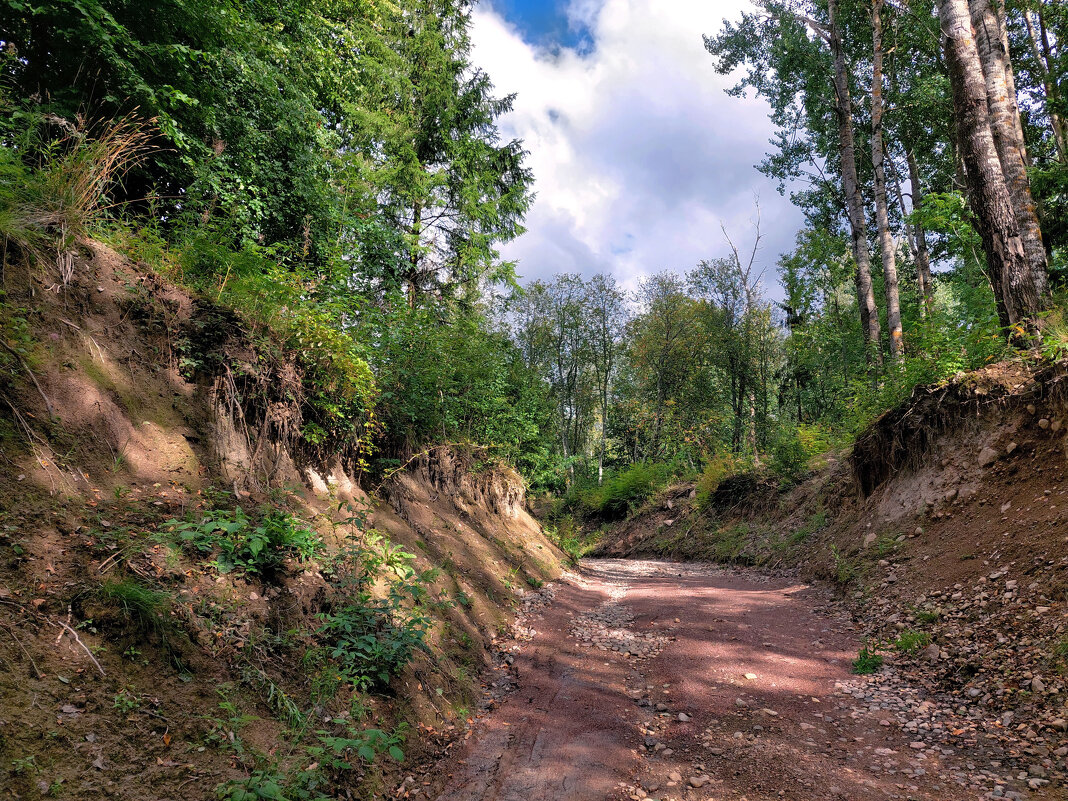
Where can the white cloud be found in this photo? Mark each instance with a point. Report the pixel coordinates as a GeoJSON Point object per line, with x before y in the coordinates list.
{"type": "Point", "coordinates": [637, 152]}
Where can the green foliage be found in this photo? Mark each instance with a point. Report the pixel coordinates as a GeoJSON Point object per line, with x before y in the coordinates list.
{"type": "Point", "coordinates": [910, 641]}
{"type": "Point", "coordinates": [296, 318]}
{"type": "Point", "coordinates": [374, 636]}
{"type": "Point", "coordinates": [715, 470]}
{"type": "Point", "coordinates": [126, 701]}
{"type": "Point", "coordinates": [730, 544]}
{"type": "Point", "coordinates": [843, 569]}
{"type": "Point", "coordinates": [867, 661]}
{"type": "Point", "coordinates": [1054, 336]}
{"type": "Point", "coordinates": [260, 785]}
{"type": "Point", "coordinates": [925, 617]}
{"type": "Point", "coordinates": [566, 533]}
{"type": "Point", "coordinates": [811, 526]}
{"type": "Point", "coordinates": [623, 490]}
{"type": "Point", "coordinates": [237, 542]}
{"type": "Point", "coordinates": [448, 377]}
{"type": "Point", "coordinates": [789, 458]}
{"type": "Point", "coordinates": [146, 606]}
{"type": "Point", "coordinates": [25, 765]}
{"type": "Point", "coordinates": [55, 184]}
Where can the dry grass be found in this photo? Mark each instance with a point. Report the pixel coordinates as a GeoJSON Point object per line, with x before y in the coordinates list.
{"type": "Point", "coordinates": [59, 183]}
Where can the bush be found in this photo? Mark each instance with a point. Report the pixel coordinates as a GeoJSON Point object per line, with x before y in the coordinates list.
{"type": "Point", "coordinates": [374, 638]}
{"type": "Point", "coordinates": [567, 534]}
{"type": "Point", "coordinates": [236, 543]}
{"type": "Point", "coordinates": [789, 459]}
{"type": "Point", "coordinates": [624, 490]}
{"type": "Point", "coordinates": [716, 469]}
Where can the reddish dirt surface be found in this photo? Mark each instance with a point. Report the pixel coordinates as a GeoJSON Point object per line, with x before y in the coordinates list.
{"type": "Point", "coordinates": [751, 660]}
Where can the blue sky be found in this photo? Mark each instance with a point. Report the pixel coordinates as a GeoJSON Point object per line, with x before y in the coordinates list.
{"type": "Point", "coordinates": [544, 23]}
{"type": "Point", "coordinates": [640, 158]}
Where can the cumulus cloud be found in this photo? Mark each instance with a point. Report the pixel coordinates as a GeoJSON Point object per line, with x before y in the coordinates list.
{"type": "Point", "coordinates": [638, 154]}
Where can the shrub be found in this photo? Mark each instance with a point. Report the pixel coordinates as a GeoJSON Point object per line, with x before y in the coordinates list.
{"type": "Point", "coordinates": [236, 543]}
{"type": "Point", "coordinates": [374, 638]}
{"type": "Point", "coordinates": [624, 490]}
{"type": "Point", "coordinates": [567, 534]}
{"type": "Point", "coordinates": [789, 460]}
{"type": "Point", "coordinates": [716, 469]}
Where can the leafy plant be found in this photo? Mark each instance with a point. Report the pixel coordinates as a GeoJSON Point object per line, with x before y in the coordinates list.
{"type": "Point", "coordinates": [844, 570]}
{"type": "Point", "coordinates": [867, 661]}
{"type": "Point", "coordinates": [372, 637]}
{"type": "Point", "coordinates": [260, 785]}
{"type": "Point", "coordinates": [624, 490]}
{"type": "Point", "coordinates": [126, 701]}
{"type": "Point", "coordinates": [25, 765]}
{"type": "Point", "coordinates": [789, 459]}
{"type": "Point", "coordinates": [567, 534]}
{"type": "Point", "coordinates": [236, 542]}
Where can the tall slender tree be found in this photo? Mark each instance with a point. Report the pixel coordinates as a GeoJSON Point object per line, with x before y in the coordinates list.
{"type": "Point", "coordinates": [869, 313]}
{"type": "Point", "coordinates": [882, 214]}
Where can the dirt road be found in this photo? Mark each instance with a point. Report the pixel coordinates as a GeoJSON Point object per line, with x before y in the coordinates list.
{"type": "Point", "coordinates": [674, 681]}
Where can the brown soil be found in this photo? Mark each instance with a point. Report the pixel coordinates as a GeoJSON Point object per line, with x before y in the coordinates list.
{"type": "Point", "coordinates": [111, 442]}
{"type": "Point", "coordinates": [755, 664]}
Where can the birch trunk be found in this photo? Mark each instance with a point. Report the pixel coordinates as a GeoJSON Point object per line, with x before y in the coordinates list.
{"type": "Point", "coordinates": [869, 313]}
{"type": "Point", "coordinates": [1005, 125]}
{"type": "Point", "coordinates": [923, 257]}
{"type": "Point", "coordinates": [1009, 269]}
{"type": "Point", "coordinates": [1040, 46]}
{"type": "Point", "coordinates": [882, 214]}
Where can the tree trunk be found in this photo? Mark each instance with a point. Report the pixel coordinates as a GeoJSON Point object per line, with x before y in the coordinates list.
{"type": "Point", "coordinates": [1009, 269]}
{"type": "Point", "coordinates": [882, 214]}
{"type": "Point", "coordinates": [923, 257]}
{"type": "Point", "coordinates": [1040, 45]}
{"type": "Point", "coordinates": [869, 313]}
{"type": "Point", "coordinates": [413, 257]}
{"type": "Point", "coordinates": [1007, 130]}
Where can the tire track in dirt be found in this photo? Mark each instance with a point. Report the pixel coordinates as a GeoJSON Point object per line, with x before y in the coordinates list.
{"type": "Point", "coordinates": [663, 680]}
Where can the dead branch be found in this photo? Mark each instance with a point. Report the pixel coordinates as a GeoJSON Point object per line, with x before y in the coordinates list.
{"type": "Point", "coordinates": [33, 378]}
{"type": "Point", "coordinates": [68, 630]}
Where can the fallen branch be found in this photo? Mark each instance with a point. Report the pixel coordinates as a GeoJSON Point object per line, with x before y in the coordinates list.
{"type": "Point", "coordinates": [33, 378]}
{"type": "Point", "coordinates": [77, 639]}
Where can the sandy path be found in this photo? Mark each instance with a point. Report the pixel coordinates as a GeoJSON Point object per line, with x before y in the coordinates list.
{"type": "Point", "coordinates": [752, 664]}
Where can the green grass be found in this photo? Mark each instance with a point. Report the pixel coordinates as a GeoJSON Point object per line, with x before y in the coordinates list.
{"type": "Point", "coordinates": [911, 641]}
{"type": "Point", "coordinates": [867, 661]}
{"type": "Point", "coordinates": [814, 524]}
{"type": "Point", "coordinates": [145, 606]}
{"type": "Point", "coordinates": [149, 612]}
